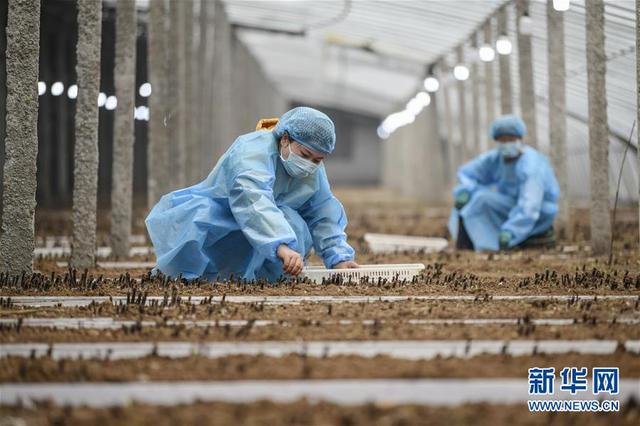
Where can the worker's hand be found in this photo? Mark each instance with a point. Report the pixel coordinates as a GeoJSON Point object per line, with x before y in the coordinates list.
{"type": "Point", "coordinates": [346, 264]}
{"type": "Point", "coordinates": [505, 238]}
{"type": "Point", "coordinates": [292, 262]}
{"type": "Point", "coordinates": [461, 199]}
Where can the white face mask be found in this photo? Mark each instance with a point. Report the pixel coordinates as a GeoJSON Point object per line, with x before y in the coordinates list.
{"type": "Point", "coordinates": [297, 166]}
{"type": "Point", "coordinates": [510, 149]}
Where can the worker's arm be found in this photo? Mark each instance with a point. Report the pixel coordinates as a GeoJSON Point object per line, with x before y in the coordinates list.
{"type": "Point", "coordinates": [327, 221]}
{"type": "Point", "coordinates": [476, 173]}
{"type": "Point", "coordinates": [524, 215]}
{"type": "Point", "coordinates": [254, 208]}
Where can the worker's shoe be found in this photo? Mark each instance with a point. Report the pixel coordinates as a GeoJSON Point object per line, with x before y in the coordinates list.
{"type": "Point", "coordinates": [546, 239]}
{"type": "Point", "coordinates": [464, 241]}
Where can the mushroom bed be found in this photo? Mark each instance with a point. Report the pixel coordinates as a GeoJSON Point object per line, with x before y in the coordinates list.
{"type": "Point", "coordinates": [466, 316]}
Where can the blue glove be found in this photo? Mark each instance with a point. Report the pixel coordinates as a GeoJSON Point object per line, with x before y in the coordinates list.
{"type": "Point", "coordinates": [505, 238]}
{"type": "Point", "coordinates": [461, 199]}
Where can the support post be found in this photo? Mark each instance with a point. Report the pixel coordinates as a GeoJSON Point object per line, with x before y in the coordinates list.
{"type": "Point", "coordinates": [3, 94]}
{"type": "Point", "coordinates": [158, 147]}
{"type": "Point", "coordinates": [475, 100]}
{"type": "Point", "coordinates": [123, 130]}
{"type": "Point", "coordinates": [85, 183]}
{"type": "Point", "coordinates": [598, 129]}
{"type": "Point", "coordinates": [462, 110]}
{"type": "Point", "coordinates": [525, 62]}
{"type": "Point", "coordinates": [506, 97]}
{"type": "Point", "coordinates": [176, 96]}
{"type": "Point", "coordinates": [557, 109]}
{"type": "Point", "coordinates": [200, 92]}
{"type": "Point", "coordinates": [490, 106]}
{"type": "Point", "coordinates": [188, 100]}
{"type": "Point", "coordinates": [222, 119]}
{"type": "Point", "coordinates": [17, 240]}
{"type": "Point", "coordinates": [638, 104]}
{"type": "Point", "coordinates": [452, 151]}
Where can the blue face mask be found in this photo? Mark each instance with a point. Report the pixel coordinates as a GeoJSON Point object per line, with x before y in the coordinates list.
{"type": "Point", "coordinates": [510, 149]}
{"type": "Point", "coordinates": [297, 166]}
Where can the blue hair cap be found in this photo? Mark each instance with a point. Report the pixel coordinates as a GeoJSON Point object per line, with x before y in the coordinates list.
{"type": "Point", "coordinates": [511, 125]}
{"type": "Point", "coordinates": [310, 127]}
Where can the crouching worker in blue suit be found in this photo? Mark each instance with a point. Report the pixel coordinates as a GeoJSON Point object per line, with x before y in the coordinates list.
{"type": "Point", "coordinates": [506, 197]}
{"type": "Point", "coordinates": [262, 208]}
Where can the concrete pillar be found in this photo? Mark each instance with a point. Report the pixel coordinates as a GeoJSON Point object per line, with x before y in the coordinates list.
{"type": "Point", "coordinates": [208, 157]}
{"type": "Point", "coordinates": [61, 185]}
{"type": "Point", "coordinates": [85, 184]}
{"type": "Point", "coordinates": [21, 143]}
{"type": "Point", "coordinates": [433, 187]}
{"type": "Point", "coordinates": [223, 136]}
{"type": "Point", "coordinates": [390, 160]}
{"type": "Point", "coordinates": [490, 94]}
{"type": "Point", "coordinates": [387, 157]}
{"type": "Point", "coordinates": [158, 146]}
{"type": "Point", "coordinates": [399, 170]}
{"type": "Point", "coordinates": [443, 151]}
{"type": "Point", "coordinates": [396, 173]}
{"type": "Point", "coordinates": [462, 110]}
{"type": "Point", "coordinates": [177, 96]}
{"type": "Point", "coordinates": [416, 157]}
{"type": "Point", "coordinates": [506, 97]}
{"type": "Point", "coordinates": [557, 109]}
{"type": "Point", "coordinates": [638, 90]}
{"type": "Point", "coordinates": [525, 63]}
{"type": "Point", "coordinates": [48, 113]}
{"type": "Point", "coordinates": [187, 96]}
{"type": "Point", "coordinates": [3, 93]}
{"type": "Point", "coordinates": [598, 128]}
{"type": "Point", "coordinates": [476, 130]}
{"type": "Point", "coordinates": [403, 167]}
{"type": "Point", "coordinates": [243, 97]}
{"type": "Point", "coordinates": [200, 130]}
{"type": "Point", "coordinates": [413, 144]}
{"type": "Point", "coordinates": [452, 159]}
{"type": "Point", "coordinates": [123, 130]}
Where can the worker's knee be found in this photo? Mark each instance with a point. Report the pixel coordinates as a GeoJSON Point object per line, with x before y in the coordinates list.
{"type": "Point", "coordinates": [483, 198]}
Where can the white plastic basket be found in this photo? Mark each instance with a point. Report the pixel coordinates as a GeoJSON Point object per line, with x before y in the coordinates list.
{"type": "Point", "coordinates": [389, 243]}
{"type": "Point", "coordinates": [391, 271]}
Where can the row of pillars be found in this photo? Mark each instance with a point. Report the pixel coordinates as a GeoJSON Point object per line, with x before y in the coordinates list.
{"type": "Point", "coordinates": [405, 172]}
{"type": "Point", "coordinates": [202, 98]}
{"type": "Point", "coordinates": [473, 138]}
{"type": "Point", "coordinates": [199, 77]}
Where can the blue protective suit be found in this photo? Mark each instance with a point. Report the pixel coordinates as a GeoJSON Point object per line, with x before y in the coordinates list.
{"type": "Point", "coordinates": [519, 197]}
{"type": "Point", "coordinates": [234, 220]}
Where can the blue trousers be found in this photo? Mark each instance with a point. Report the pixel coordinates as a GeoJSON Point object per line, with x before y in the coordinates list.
{"type": "Point", "coordinates": [202, 253]}
{"type": "Point", "coordinates": [484, 215]}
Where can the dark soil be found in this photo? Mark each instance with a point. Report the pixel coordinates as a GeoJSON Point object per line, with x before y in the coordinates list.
{"type": "Point", "coordinates": [306, 413]}
{"type": "Point", "coordinates": [586, 311]}
{"type": "Point", "coordinates": [308, 330]}
{"type": "Point", "coordinates": [260, 367]}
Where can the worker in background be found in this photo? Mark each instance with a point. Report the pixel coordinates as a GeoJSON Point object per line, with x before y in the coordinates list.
{"type": "Point", "coordinates": [506, 197]}
{"type": "Point", "coordinates": [262, 208]}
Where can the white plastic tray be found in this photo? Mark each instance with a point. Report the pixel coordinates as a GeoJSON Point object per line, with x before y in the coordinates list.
{"type": "Point", "coordinates": [390, 271]}
{"type": "Point", "coordinates": [390, 243]}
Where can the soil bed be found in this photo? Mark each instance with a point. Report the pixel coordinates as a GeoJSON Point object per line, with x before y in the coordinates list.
{"type": "Point", "coordinates": [307, 413]}
{"type": "Point", "coordinates": [466, 274]}
{"type": "Point", "coordinates": [309, 330]}
{"type": "Point", "coordinates": [582, 311]}
{"type": "Point", "coordinates": [260, 367]}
